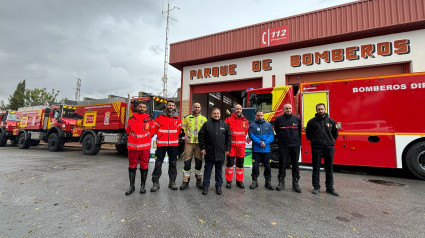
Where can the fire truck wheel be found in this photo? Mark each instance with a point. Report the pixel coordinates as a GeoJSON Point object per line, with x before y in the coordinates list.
{"type": "Point", "coordinates": [89, 145]}
{"type": "Point", "coordinates": [415, 160]}
{"type": "Point", "coordinates": [121, 148]}
{"type": "Point", "coordinates": [34, 142]}
{"type": "Point", "coordinates": [274, 156]}
{"type": "Point", "coordinates": [3, 140]}
{"type": "Point", "coordinates": [54, 143]}
{"type": "Point", "coordinates": [22, 143]}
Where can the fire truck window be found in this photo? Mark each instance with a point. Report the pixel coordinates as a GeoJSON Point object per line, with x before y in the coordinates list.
{"type": "Point", "coordinates": [12, 117]}
{"type": "Point", "coordinates": [264, 102]}
{"type": "Point", "coordinates": [56, 114]}
{"type": "Point", "coordinates": [70, 113]}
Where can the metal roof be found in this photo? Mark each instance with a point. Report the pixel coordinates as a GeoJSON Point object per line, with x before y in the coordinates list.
{"type": "Point", "coordinates": [355, 20]}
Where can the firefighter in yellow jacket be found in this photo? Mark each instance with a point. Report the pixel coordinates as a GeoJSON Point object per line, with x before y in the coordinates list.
{"type": "Point", "coordinates": [192, 124]}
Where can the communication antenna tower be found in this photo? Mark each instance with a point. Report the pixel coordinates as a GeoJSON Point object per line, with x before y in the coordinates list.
{"type": "Point", "coordinates": [164, 78]}
{"type": "Point", "coordinates": [77, 92]}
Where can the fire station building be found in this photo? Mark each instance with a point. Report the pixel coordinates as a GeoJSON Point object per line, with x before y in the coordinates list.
{"type": "Point", "coordinates": [358, 39]}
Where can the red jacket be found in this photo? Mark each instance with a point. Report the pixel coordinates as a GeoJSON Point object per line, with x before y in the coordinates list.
{"type": "Point", "coordinates": [167, 129]}
{"type": "Point", "coordinates": [238, 128]}
{"type": "Point", "coordinates": [140, 130]}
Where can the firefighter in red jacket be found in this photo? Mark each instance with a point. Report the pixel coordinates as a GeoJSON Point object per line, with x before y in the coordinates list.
{"type": "Point", "coordinates": [167, 128]}
{"type": "Point", "coordinates": [139, 130]}
{"type": "Point", "coordinates": [238, 126]}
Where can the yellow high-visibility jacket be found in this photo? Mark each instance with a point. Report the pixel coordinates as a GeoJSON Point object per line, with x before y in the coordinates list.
{"type": "Point", "coordinates": [191, 126]}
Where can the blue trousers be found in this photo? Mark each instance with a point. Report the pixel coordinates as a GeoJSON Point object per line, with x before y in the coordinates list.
{"type": "Point", "coordinates": [256, 159]}
{"type": "Point", "coordinates": [218, 173]}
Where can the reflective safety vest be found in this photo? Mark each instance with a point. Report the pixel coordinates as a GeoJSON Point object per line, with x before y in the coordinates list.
{"type": "Point", "coordinates": [167, 129]}
{"type": "Point", "coordinates": [238, 129]}
{"type": "Point", "coordinates": [139, 130]}
{"type": "Point", "coordinates": [191, 126]}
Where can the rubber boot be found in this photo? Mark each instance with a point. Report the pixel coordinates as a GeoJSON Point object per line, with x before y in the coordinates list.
{"type": "Point", "coordinates": [269, 184]}
{"type": "Point", "coordinates": [254, 183]}
{"type": "Point", "coordinates": [240, 184]}
{"type": "Point", "coordinates": [199, 183]}
{"type": "Point", "coordinates": [132, 176]}
{"type": "Point", "coordinates": [185, 184]}
{"type": "Point", "coordinates": [296, 186]}
{"type": "Point", "coordinates": [228, 184]}
{"type": "Point", "coordinates": [143, 175]}
{"type": "Point", "coordinates": [281, 185]}
{"type": "Point", "coordinates": [172, 185]}
{"type": "Point", "coordinates": [155, 187]}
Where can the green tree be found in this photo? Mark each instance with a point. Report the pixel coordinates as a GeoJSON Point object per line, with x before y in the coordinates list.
{"type": "Point", "coordinates": [38, 96]}
{"type": "Point", "coordinates": [17, 99]}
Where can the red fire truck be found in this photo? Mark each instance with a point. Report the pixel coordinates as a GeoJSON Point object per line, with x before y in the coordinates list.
{"type": "Point", "coordinates": [104, 122]}
{"type": "Point", "coordinates": [49, 124]}
{"type": "Point", "coordinates": [8, 122]}
{"type": "Point", "coordinates": [380, 119]}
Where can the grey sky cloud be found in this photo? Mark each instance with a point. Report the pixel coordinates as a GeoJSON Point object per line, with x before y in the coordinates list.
{"type": "Point", "coordinates": [115, 47]}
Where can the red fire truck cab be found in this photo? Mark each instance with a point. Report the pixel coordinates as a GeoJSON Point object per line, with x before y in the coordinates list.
{"type": "Point", "coordinates": [8, 121]}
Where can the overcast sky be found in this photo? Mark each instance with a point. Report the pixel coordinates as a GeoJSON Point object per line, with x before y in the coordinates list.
{"type": "Point", "coordinates": [115, 46]}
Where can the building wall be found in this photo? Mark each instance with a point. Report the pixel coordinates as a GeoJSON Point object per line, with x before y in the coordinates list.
{"type": "Point", "coordinates": [281, 67]}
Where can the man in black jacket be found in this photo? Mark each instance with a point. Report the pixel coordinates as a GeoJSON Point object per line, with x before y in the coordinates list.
{"type": "Point", "coordinates": [214, 142]}
{"type": "Point", "coordinates": [288, 130]}
{"type": "Point", "coordinates": [322, 132]}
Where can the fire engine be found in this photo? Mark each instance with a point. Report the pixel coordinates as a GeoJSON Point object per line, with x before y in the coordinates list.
{"type": "Point", "coordinates": [380, 119]}
{"type": "Point", "coordinates": [52, 125]}
{"type": "Point", "coordinates": [104, 121]}
{"type": "Point", "coordinates": [8, 122]}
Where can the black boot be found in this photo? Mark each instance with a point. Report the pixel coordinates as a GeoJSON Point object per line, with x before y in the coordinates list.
{"type": "Point", "coordinates": [144, 175]}
{"type": "Point", "coordinates": [155, 187]}
{"type": "Point", "coordinates": [269, 184]}
{"type": "Point", "coordinates": [185, 184]}
{"type": "Point", "coordinates": [204, 191]}
{"type": "Point", "coordinates": [218, 190]}
{"type": "Point", "coordinates": [296, 186]}
{"type": "Point", "coordinates": [240, 184]}
{"type": "Point", "coordinates": [199, 183]}
{"type": "Point", "coordinates": [254, 182]}
{"type": "Point", "coordinates": [172, 185]}
{"type": "Point", "coordinates": [132, 176]}
{"type": "Point", "coordinates": [281, 185]}
{"type": "Point", "coordinates": [228, 184]}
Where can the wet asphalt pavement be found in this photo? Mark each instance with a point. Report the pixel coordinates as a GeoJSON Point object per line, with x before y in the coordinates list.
{"type": "Point", "coordinates": [67, 194]}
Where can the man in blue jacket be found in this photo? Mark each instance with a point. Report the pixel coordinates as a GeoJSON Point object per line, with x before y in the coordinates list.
{"type": "Point", "coordinates": [261, 134]}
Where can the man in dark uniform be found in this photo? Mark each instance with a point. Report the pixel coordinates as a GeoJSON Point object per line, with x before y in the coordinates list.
{"type": "Point", "coordinates": [288, 130]}
{"type": "Point", "coordinates": [214, 142]}
{"type": "Point", "coordinates": [322, 132]}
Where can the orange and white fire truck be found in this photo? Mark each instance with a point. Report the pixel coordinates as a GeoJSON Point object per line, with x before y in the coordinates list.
{"type": "Point", "coordinates": [380, 119]}
{"type": "Point", "coordinates": [52, 125]}
{"type": "Point", "coordinates": [8, 121]}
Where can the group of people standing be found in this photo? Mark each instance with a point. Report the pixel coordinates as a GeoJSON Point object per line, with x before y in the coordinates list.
{"type": "Point", "coordinates": [216, 140]}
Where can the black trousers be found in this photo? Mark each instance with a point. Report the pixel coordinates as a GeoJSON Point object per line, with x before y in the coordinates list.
{"type": "Point", "coordinates": [292, 155]}
{"type": "Point", "coordinates": [328, 156]}
{"type": "Point", "coordinates": [172, 152]}
{"type": "Point", "coordinates": [218, 173]}
{"type": "Point", "coordinates": [256, 159]}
